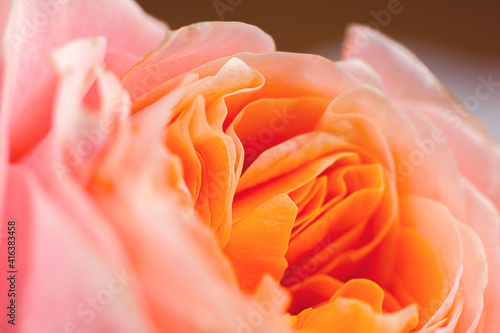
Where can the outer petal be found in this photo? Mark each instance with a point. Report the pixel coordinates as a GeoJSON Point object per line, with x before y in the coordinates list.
{"type": "Point", "coordinates": [410, 84]}
{"type": "Point", "coordinates": [70, 264]}
{"type": "Point", "coordinates": [403, 74]}
{"type": "Point", "coordinates": [472, 286]}
{"type": "Point", "coordinates": [433, 174]}
{"type": "Point", "coordinates": [36, 28]}
{"type": "Point", "coordinates": [483, 218]}
{"type": "Point", "coordinates": [313, 77]}
{"type": "Point", "coordinates": [192, 46]}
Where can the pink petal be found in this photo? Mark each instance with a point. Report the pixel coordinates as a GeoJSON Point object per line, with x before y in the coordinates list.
{"type": "Point", "coordinates": [483, 218]}
{"type": "Point", "coordinates": [362, 71]}
{"type": "Point", "coordinates": [192, 46]}
{"type": "Point", "coordinates": [410, 84]}
{"type": "Point", "coordinates": [120, 62]}
{"type": "Point", "coordinates": [36, 28]}
{"type": "Point", "coordinates": [64, 260]}
{"type": "Point", "coordinates": [473, 282]}
{"type": "Point", "coordinates": [402, 73]}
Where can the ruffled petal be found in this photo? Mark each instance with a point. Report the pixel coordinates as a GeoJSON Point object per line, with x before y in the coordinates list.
{"type": "Point", "coordinates": [192, 46]}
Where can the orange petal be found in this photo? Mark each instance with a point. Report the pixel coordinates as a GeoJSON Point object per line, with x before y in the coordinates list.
{"type": "Point", "coordinates": [313, 291]}
{"type": "Point", "coordinates": [346, 315]}
{"type": "Point", "coordinates": [194, 45]}
{"type": "Point", "coordinates": [430, 259]}
{"type": "Point", "coordinates": [356, 209]}
{"type": "Point", "coordinates": [363, 290]}
{"type": "Point", "coordinates": [268, 122]}
{"type": "Point", "coordinates": [259, 242]}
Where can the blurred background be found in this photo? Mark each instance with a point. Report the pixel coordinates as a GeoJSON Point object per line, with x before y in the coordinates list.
{"type": "Point", "coordinates": [458, 40]}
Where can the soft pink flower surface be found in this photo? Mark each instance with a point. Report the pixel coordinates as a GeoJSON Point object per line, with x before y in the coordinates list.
{"type": "Point", "coordinates": [197, 180]}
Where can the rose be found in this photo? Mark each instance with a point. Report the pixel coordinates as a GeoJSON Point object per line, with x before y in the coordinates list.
{"type": "Point", "coordinates": [257, 144]}
{"type": "Point", "coordinates": [354, 158]}
{"type": "Point", "coordinates": [388, 150]}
